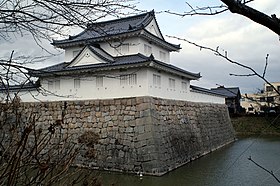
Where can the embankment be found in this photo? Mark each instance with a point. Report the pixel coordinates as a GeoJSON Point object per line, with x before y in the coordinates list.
{"type": "Point", "coordinates": [145, 134]}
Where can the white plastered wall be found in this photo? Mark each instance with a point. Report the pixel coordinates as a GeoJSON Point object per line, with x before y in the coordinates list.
{"type": "Point", "coordinates": [112, 88]}
{"type": "Point", "coordinates": [136, 45]}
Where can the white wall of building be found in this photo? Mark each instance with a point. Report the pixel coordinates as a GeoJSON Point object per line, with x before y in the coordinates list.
{"type": "Point", "coordinates": [159, 85]}
{"type": "Point", "coordinates": [205, 98]}
{"type": "Point", "coordinates": [170, 87]}
{"type": "Point", "coordinates": [71, 52]}
{"type": "Point", "coordinates": [156, 50]}
{"type": "Point", "coordinates": [128, 46]}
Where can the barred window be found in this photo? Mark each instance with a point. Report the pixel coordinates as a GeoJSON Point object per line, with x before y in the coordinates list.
{"type": "Point", "coordinates": [77, 83]}
{"type": "Point", "coordinates": [122, 49]}
{"type": "Point", "coordinates": [156, 80]}
{"type": "Point", "coordinates": [147, 49]}
{"type": "Point", "coordinates": [171, 83]}
{"type": "Point", "coordinates": [50, 85]}
{"type": "Point", "coordinates": [76, 52]}
{"type": "Point", "coordinates": [162, 56]}
{"type": "Point", "coordinates": [184, 85]}
{"type": "Point", "coordinates": [128, 79]}
{"type": "Point", "coordinates": [269, 88]}
{"type": "Point", "coordinates": [57, 84]}
{"type": "Point", "coordinates": [99, 81]}
{"type": "Point", "coordinates": [54, 85]}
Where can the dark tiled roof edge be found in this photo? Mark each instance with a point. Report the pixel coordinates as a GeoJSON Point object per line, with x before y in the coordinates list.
{"type": "Point", "coordinates": [201, 89]}
{"type": "Point", "coordinates": [144, 15]}
{"type": "Point", "coordinates": [28, 86]}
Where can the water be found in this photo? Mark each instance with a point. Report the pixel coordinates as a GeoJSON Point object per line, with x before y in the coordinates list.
{"type": "Point", "coordinates": [228, 166]}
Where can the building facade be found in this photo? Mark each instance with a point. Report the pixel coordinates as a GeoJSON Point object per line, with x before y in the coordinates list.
{"type": "Point", "coordinates": [267, 100]}
{"type": "Point", "coordinates": [121, 58]}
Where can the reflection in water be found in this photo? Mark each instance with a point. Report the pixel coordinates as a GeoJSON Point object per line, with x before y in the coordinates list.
{"type": "Point", "coordinates": [228, 166]}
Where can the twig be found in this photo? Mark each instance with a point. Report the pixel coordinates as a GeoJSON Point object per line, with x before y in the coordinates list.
{"type": "Point", "coordinates": [266, 170]}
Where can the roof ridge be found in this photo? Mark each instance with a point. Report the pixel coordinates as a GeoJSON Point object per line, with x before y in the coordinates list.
{"type": "Point", "coordinates": [146, 14]}
{"type": "Point", "coordinates": [97, 26]}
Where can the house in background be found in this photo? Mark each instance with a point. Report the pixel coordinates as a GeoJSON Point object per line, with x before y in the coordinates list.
{"type": "Point", "coordinates": [232, 97]}
{"type": "Point", "coordinates": [120, 58]}
{"type": "Point", "coordinates": [268, 100]}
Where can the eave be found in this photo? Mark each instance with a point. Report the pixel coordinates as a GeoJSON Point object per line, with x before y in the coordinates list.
{"type": "Point", "coordinates": [150, 37]}
{"type": "Point", "coordinates": [86, 69]}
{"type": "Point", "coordinates": [174, 70]}
{"type": "Point", "coordinates": [69, 43]}
{"type": "Point", "coordinates": [139, 33]}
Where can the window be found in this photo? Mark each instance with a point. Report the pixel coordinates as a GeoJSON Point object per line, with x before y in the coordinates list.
{"type": "Point", "coordinates": [132, 80]}
{"type": "Point", "coordinates": [50, 85]}
{"type": "Point", "coordinates": [125, 48]}
{"type": "Point", "coordinates": [171, 83]}
{"type": "Point", "coordinates": [147, 49]}
{"type": "Point", "coordinates": [278, 88]}
{"type": "Point", "coordinates": [76, 52]}
{"type": "Point", "coordinates": [262, 99]}
{"type": "Point", "coordinates": [54, 85]}
{"type": "Point", "coordinates": [270, 99]}
{"type": "Point", "coordinates": [269, 88]}
{"type": "Point", "coordinates": [184, 85]}
{"type": "Point", "coordinates": [99, 81]}
{"type": "Point", "coordinates": [77, 83]}
{"type": "Point", "coordinates": [122, 48]}
{"type": "Point", "coordinates": [57, 84]}
{"type": "Point", "coordinates": [162, 56]}
{"type": "Point", "coordinates": [128, 79]}
{"type": "Point", "coordinates": [156, 80]}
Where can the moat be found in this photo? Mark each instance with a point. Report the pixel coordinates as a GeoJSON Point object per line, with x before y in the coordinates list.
{"type": "Point", "coordinates": [226, 166]}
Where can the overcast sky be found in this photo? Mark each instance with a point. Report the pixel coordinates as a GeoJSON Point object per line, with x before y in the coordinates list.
{"type": "Point", "coordinates": [244, 41]}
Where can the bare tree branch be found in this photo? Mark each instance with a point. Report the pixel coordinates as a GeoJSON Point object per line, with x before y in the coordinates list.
{"type": "Point", "coordinates": [237, 7]}
{"type": "Point", "coordinates": [263, 168]}
{"type": "Point", "coordinates": [266, 63]}
{"type": "Point", "coordinates": [43, 19]}
{"type": "Point", "coordinates": [225, 56]}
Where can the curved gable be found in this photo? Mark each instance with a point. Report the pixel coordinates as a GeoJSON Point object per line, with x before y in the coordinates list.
{"type": "Point", "coordinates": [153, 28]}
{"type": "Point", "coordinates": [86, 57]}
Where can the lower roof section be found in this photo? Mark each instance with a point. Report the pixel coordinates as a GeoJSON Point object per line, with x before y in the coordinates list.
{"type": "Point", "coordinates": [121, 62]}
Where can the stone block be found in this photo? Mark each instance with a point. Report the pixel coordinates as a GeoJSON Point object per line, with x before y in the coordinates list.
{"type": "Point", "coordinates": [107, 118]}
{"type": "Point", "coordinates": [139, 129]}
{"type": "Point", "coordinates": [129, 129]}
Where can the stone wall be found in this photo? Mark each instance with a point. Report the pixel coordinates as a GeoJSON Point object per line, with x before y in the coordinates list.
{"type": "Point", "coordinates": [144, 134]}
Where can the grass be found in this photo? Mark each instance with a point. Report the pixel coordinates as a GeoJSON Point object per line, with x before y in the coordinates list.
{"type": "Point", "coordinates": [256, 125]}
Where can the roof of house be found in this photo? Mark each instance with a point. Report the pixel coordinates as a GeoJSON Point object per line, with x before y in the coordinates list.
{"type": "Point", "coordinates": [111, 63]}
{"type": "Point", "coordinates": [27, 86]}
{"type": "Point", "coordinates": [205, 91]}
{"type": "Point", "coordinates": [113, 29]}
{"type": "Point", "coordinates": [228, 92]}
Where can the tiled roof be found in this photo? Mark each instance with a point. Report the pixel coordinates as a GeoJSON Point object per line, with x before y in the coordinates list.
{"type": "Point", "coordinates": [103, 31]}
{"type": "Point", "coordinates": [64, 67]}
{"type": "Point", "coordinates": [228, 92]}
{"type": "Point", "coordinates": [112, 27]}
{"type": "Point", "coordinates": [27, 86]}
{"type": "Point", "coordinates": [204, 90]}
{"type": "Point", "coordinates": [129, 61]}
